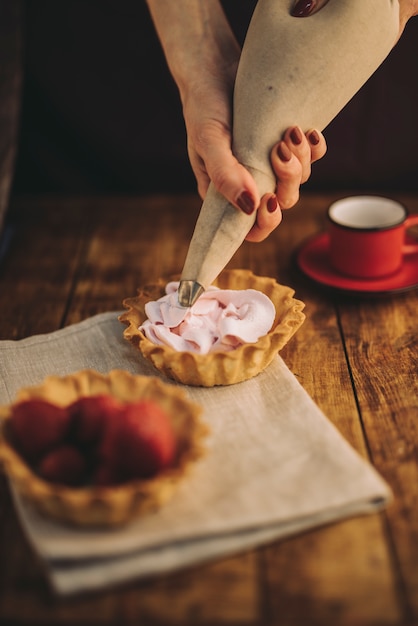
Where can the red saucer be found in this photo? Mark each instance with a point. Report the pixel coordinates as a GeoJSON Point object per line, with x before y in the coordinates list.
{"type": "Point", "coordinates": [312, 259]}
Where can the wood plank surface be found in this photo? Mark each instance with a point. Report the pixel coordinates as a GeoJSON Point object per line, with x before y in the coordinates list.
{"type": "Point", "coordinates": [70, 258]}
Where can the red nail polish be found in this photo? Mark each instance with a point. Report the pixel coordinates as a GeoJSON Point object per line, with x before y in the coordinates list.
{"type": "Point", "coordinates": [246, 202]}
{"type": "Point", "coordinates": [272, 204]}
{"type": "Point", "coordinates": [314, 138]}
{"type": "Point", "coordinates": [283, 152]}
{"type": "Point", "coordinates": [303, 8]}
{"type": "Point", "coordinates": [296, 136]}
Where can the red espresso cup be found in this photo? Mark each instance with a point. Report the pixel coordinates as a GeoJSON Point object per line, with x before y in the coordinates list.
{"type": "Point", "coordinates": [368, 236]}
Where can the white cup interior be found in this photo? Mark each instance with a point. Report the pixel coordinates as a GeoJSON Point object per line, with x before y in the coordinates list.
{"type": "Point", "coordinates": [367, 212]}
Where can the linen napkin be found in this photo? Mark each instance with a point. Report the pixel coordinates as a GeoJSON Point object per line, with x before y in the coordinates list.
{"type": "Point", "coordinates": [275, 466]}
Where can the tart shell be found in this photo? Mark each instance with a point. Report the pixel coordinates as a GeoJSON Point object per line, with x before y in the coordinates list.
{"type": "Point", "coordinates": [113, 505]}
{"type": "Point", "coordinates": [217, 368]}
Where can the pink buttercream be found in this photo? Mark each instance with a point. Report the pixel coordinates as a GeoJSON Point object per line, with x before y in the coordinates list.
{"type": "Point", "coordinates": [221, 319]}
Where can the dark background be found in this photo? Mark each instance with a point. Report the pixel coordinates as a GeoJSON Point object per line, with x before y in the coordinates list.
{"type": "Point", "coordinates": [101, 114]}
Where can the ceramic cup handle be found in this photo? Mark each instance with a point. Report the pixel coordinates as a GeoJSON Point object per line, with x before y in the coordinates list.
{"type": "Point", "coordinates": [410, 248]}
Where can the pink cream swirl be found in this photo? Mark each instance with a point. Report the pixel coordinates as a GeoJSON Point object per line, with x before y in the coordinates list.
{"type": "Point", "coordinates": [221, 319]}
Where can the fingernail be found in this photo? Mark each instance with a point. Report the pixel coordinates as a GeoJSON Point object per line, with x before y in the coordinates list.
{"type": "Point", "coordinates": [246, 202]}
{"type": "Point", "coordinates": [314, 138]}
{"type": "Point", "coordinates": [296, 136]}
{"type": "Point", "coordinates": [283, 152]}
{"type": "Point", "coordinates": [272, 204]}
{"type": "Point", "coordinates": [303, 8]}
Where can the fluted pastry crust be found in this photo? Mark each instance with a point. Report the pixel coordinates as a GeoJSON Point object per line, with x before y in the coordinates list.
{"type": "Point", "coordinates": [217, 368]}
{"type": "Point", "coordinates": [113, 505]}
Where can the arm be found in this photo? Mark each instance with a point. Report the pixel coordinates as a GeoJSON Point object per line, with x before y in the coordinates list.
{"type": "Point", "coordinates": [203, 54]}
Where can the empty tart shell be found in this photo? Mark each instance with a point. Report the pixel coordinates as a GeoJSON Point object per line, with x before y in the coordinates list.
{"type": "Point", "coordinates": [217, 368]}
{"type": "Point", "coordinates": [107, 505]}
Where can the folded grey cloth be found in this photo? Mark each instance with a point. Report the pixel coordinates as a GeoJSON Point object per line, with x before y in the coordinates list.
{"type": "Point", "coordinates": [275, 466]}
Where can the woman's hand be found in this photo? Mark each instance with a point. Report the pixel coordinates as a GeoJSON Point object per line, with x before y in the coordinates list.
{"type": "Point", "coordinates": [291, 160]}
{"type": "Point", "coordinates": [208, 124]}
{"type": "Point", "coordinates": [203, 56]}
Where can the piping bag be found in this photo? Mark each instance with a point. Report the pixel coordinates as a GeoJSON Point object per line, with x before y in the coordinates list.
{"type": "Point", "coordinates": [292, 71]}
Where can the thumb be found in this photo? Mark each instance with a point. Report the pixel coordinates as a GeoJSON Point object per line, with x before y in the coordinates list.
{"type": "Point", "coordinates": [229, 176]}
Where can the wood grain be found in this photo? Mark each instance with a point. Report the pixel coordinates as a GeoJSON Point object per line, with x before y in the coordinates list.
{"type": "Point", "coordinates": [70, 258]}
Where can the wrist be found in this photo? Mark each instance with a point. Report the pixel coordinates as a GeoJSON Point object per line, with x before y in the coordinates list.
{"type": "Point", "coordinates": [197, 41]}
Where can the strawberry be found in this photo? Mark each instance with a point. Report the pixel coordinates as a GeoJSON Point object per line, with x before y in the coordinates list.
{"type": "Point", "coordinates": [90, 414]}
{"type": "Point", "coordinates": [65, 465]}
{"type": "Point", "coordinates": [104, 475]}
{"type": "Point", "coordinates": [38, 426]}
{"type": "Point", "coordinates": [140, 442]}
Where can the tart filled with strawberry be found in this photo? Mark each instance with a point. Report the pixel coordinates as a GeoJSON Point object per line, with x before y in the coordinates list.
{"type": "Point", "coordinates": [98, 450]}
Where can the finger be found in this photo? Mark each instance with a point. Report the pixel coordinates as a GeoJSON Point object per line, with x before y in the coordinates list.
{"type": "Point", "coordinates": [317, 144]}
{"type": "Point", "coordinates": [229, 177]}
{"type": "Point", "coordinates": [288, 170]}
{"type": "Point", "coordinates": [235, 183]}
{"type": "Point", "coordinates": [299, 145]}
{"type": "Point", "coordinates": [268, 218]}
{"type": "Point", "coordinates": [200, 173]}
{"type": "Point", "coordinates": [305, 8]}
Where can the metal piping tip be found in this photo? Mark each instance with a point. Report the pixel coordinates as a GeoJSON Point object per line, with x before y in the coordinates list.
{"type": "Point", "coordinates": [188, 292]}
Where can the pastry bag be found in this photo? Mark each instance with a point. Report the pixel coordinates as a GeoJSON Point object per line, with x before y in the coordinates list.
{"type": "Point", "coordinates": [292, 71]}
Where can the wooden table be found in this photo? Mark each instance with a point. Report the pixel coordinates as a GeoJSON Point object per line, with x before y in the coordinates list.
{"type": "Point", "coordinates": [69, 258]}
